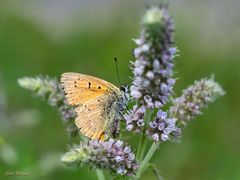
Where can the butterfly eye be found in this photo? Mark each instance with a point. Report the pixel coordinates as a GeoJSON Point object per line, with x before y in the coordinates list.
{"type": "Point", "coordinates": [123, 89]}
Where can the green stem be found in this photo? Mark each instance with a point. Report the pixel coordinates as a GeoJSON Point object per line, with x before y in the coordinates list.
{"type": "Point", "coordinates": [142, 148]}
{"type": "Point", "coordinates": [146, 160]}
{"type": "Point", "coordinates": [100, 174]}
{"type": "Point", "coordinates": [155, 171]}
{"type": "Point", "coordinates": [140, 145]}
{"type": "Point", "coordinates": [143, 141]}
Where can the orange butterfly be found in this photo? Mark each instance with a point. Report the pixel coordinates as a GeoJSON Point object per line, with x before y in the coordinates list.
{"type": "Point", "coordinates": [98, 103]}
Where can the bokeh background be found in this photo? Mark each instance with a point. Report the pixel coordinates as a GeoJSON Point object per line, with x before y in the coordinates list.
{"type": "Point", "coordinates": [55, 36]}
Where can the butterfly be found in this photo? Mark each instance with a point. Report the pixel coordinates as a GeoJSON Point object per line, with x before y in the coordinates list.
{"type": "Point", "coordinates": [99, 104]}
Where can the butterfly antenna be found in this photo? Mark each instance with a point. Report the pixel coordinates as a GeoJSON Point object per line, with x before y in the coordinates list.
{"type": "Point", "coordinates": [116, 63]}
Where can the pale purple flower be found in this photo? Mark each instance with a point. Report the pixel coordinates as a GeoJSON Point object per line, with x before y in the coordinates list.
{"type": "Point", "coordinates": [112, 155]}
{"type": "Point", "coordinates": [163, 128]}
{"type": "Point", "coordinates": [119, 158]}
{"type": "Point", "coordinates": [134, 119]}
{"type": "Point", "coordinates": [155, 137]}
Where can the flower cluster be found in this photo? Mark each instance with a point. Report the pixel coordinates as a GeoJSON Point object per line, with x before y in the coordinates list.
{"type": "Point", "coordinates": [135, 119]}
{"type": "Point", "coordinates": [193, 99]}
{"type": "Point", "coordinates": [49, 89]}
{"type": "Point", "coordinates": [153, 82]}
{"type": "Point", "coordinates": [162, 128]}
{"type": "Point", "coordinates": [112, 155]}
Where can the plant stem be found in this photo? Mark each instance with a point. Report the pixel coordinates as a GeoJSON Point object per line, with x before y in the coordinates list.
{"type": "Point", "coordinates": [156, 171]}
{"type": "Point", "coordinates": [146, 160]}
{"type": "Point", "coordinates": [100, 174]}
{"type": "Point", "coordinates": [142, 148]}
{"type": "Point", "coordinates": [143, 140]}
{"type": "Point", "coordinates": [140, 145]}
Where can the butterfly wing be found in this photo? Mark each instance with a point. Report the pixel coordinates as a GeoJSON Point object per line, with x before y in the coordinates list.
{"type": "Point", "coordinates": [95, 117]}
{"type": "Point", "coordinates": [80, 88]}
{"type": "Point", "coordinates": [95, 101]}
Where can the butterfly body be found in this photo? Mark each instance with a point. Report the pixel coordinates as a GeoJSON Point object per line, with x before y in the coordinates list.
{"type": "Point", "coordinates": [98, 103]}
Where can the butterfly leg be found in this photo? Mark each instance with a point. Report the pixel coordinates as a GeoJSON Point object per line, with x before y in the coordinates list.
{"type": "Point", "coordinates": [116, 128]}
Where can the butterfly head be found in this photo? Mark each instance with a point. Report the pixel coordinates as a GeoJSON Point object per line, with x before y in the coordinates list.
{"type": "Point", "coordinates": [124, 88]}
{"type": "Point", "coordinates": [125, 91]}
{"type": "Point", "coordinates": [123, 99]}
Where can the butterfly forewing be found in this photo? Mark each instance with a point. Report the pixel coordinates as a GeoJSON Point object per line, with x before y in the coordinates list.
{"type": "Point", "coordinates": [94, 100]}
{"type": "Point", "coordinates": [79, 88]}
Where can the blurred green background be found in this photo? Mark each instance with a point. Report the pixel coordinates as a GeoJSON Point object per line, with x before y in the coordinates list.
{"type": "Point", "coordinates": [56, 36]}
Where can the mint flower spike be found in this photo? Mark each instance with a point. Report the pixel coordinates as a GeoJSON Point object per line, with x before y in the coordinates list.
{"type": "Point", "coordinates": [111, 155]}
{"type": "Point", "coordinates": [49, 89]}
{"type": "Point", "coordinates": [193, 99]}
{"type": "Point", "coordinates": [153, 74]}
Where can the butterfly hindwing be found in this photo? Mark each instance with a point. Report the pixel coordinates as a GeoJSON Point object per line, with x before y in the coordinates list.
{"type": "Point", "coordinates": [95, 117]}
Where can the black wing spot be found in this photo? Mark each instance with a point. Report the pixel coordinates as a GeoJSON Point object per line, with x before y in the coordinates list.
{"type": "Point", "coordinates": [98, 100]}
{"type": "Point", "coordinates": [75, 82]}
{"type": "Point", "coordinates": [99, 87]}
{"type": "Point", "coordinates": [89, 109]}
{"type": "Point", "coordinates": [89, 85]}
{"type": "Point", "coordinates": [75, 86]}
{"type": "Point", "coordinates": [85, 106]}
